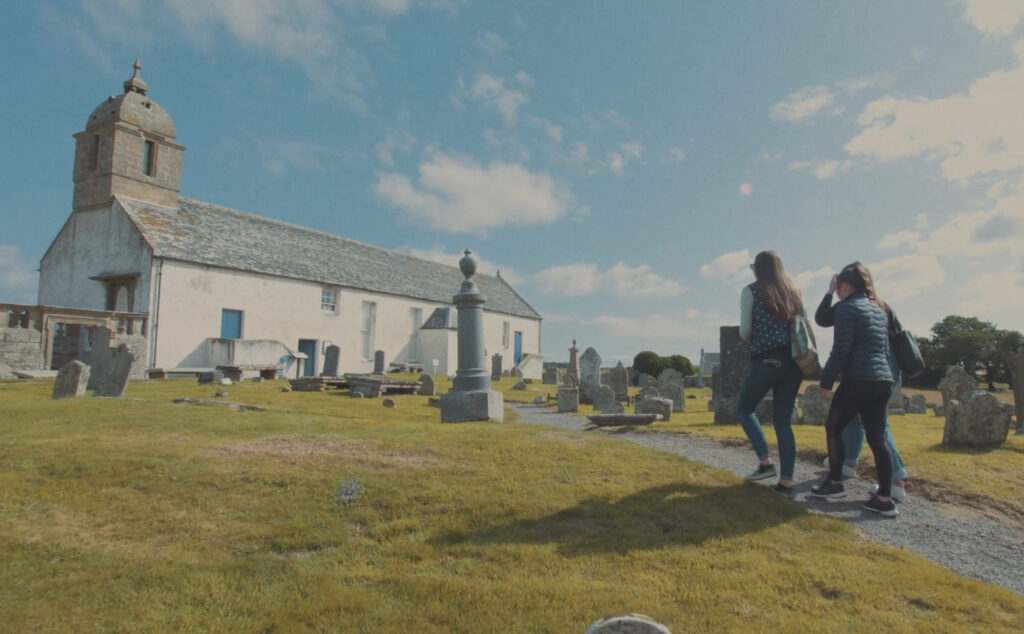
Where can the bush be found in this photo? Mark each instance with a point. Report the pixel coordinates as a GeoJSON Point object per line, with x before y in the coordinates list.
{"type": "Point", "coordinates": [652, 363]}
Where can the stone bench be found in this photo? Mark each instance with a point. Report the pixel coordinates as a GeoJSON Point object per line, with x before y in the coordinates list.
{"type": "Point", "coordinates": [235, 372]}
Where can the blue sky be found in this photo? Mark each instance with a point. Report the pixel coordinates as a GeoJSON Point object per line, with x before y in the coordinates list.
{"type": "Point", "coordinates": [619, 162]}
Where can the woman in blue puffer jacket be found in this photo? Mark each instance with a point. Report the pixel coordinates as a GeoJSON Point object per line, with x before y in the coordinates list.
{"type": "Point", "coordinates": [860, 352]}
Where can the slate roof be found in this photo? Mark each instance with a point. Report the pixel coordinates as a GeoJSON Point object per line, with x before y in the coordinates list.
{"type": "Point", "coordinates": [208, 234]}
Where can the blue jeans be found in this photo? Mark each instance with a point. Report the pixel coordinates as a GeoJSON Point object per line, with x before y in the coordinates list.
{"type": "Point", "coordinates": [774, 370]}
{"type": "Point", "coordinates": [853, 442]}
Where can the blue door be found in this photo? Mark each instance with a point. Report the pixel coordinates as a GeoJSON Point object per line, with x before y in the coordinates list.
{"type": "Point", "coordinates": [308, 347]}
{"type": "Point", "coordinates": [230, 324]}
{"type": "Point", "coordinates": [517, 355]}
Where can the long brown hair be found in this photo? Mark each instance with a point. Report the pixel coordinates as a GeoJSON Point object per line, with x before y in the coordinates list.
{"type": "Point", "coordinates": [859, 277]}
{"type": "Point", "coordinates": [779, 293]}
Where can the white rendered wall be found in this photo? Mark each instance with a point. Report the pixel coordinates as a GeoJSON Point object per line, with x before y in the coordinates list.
{"type": "Point", "coordinates": [193, 296]}
{"type": "Point", "coordinates": [97, 242]}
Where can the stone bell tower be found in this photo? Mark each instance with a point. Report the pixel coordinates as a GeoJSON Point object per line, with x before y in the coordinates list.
{"type": "Point", "coordinates": [127, 148]}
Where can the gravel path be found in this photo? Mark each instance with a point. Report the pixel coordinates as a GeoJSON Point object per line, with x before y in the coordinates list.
{"type": "Point", "coordinates": [956, 537]}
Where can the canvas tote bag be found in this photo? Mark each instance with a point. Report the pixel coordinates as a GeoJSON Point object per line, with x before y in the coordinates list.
{"type": "Point", "coordinates": [805, 350]}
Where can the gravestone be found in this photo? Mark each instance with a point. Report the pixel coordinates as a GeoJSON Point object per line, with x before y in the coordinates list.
{"type": "Point", "coordinates": [568, 399]}
{"type": "Point", "coordinates": [574, 369]}
{"type": "Point", "coordinates": [649, 391]}
{"type": "Point", "coordinates": [496, 367]}
{"type": "Point", "coordinates": [471, 397]}
{"type": "Point", "coordinates": [604, 401]}
{"type": "Point", "coordinates": [618, 380]}
{"type": "Point", "coordinates": [734, 362]}
{"type": "Point", "coordinates": [643, 379]}
{"type": "Point", "coordinates": [957, 385]}
{"type": "Point", "coordinates": [939, 409]}
{"type": "Point", "coordinates": [814, 407]}
{"type": "Point", "coordinates": [981, 420]}
{"type": "Point", "coordinates": [331, 357]}
{"type": "Point", "coordinates": [378, 362]}
{"type": "Point", "coordinates": [117, 370]}
{"type": "Point", "coordinates": [100, 357]}
{"type": "Point", "coordinates": [538, 400]}
{"type": "Point", "coordinates": [551, 377]}
{"type": "Point", "coordinates": [590, 375]}
{"type": "Point", "coordinates": [897, 402]}
{"type": "Point", "coordinates": [1015, 360]}
{"type": "Point", "coordinates": [670, 385]}
{"type": "Point", "coordinates": [515, 373]}
{"type": "Point", "coordinates": [606, 378]}
{"type": "Point", "coordinates": [654, 405]}
{"type": "Point", "coordinates": [520, 385]}
{"type": "Point", "coordinates": [627, 624]}
{"type": "Point", "coordinates": [918, 404]}
{"type": "Point", "coordinates": [71, 380]}
{"type": "Point", "coordinates": [427, 387]}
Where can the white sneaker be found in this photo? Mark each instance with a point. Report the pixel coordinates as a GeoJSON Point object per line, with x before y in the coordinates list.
{"type": "Point", "coordinates": [848, 471]}
{"type": "Point", "coordinates": [897, 492]}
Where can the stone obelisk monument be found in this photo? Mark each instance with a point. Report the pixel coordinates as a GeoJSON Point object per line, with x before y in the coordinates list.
{"type": "Point", "coordinates": [471, 397]}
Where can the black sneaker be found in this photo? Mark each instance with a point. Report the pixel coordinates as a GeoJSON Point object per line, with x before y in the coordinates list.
{"type": "Point", "coordinates": [763, 471]}
{"type": "Point", "coordinates": [783, 490]}
{"type": "Point", "coordinates": [887, 509]}
{"type": "Point", "coordinates": [828, 489]}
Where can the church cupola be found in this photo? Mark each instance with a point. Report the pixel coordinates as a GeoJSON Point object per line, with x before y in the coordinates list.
{"type": "Point", "coordinates": [127, 148]}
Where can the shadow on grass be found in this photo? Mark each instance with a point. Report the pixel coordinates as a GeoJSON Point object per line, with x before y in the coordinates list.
{"type": "Point", "coordinates": [964, 450]}
{"type": "Point", "coordinates": [670, 515]}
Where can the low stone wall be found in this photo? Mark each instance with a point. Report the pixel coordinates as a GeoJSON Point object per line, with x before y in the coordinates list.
{"type": "Point", "coordinates": [21, 349]}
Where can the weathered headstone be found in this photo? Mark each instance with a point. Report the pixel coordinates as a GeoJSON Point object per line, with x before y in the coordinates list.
{"type": "Point", "coordinates": [604, 401]}
{"type": "Point", "coordinates": [606, 378]}
{"type": "Point", "coordinates": [815, 408]}
{"type": "Point", "coordinates": [471, 397]}
{"type": "Point", "coordinates": [670, 385]}
{"type": "Point", "coordinates": [918, 404]}
{"type": "Point", "coordinates": [939, 409]}
{"type": "Point", "coordinates": [981, 420]}
{"type": "Point", "coordinates": [495, 367]}
{"type": "Point", "coordinates": [118, 369]}
{"type": "Point", "coordinates": [735, 360]}
{"type": "Point", "coordinates": [100, 357]}
{"type": "Point", "coordinates": [205, 378]}
{"type": "Point", "coordinates": [618, 380]}
{"type": "Point", "coordinates": [590, 375]}
{"type": "Point", "coordinates": [520, 385]}
{"type": "Point", "coordinates": [551, 377]}
{"type": "Point", "coordinates": [427, 387]}
{"type": "Point", "coordinates": [627, 624]}
{"type": "Point", "coordinates": [568, 399]}
{"type": "Point", "coordinates": [516, 373]}
{"type": "Point", "coordinates": [538, 400]}
{"type": "Point", "coordinates": [643, 379]}
{"type": "Point", "coordinates": [1015, 361]}
{"type": "Point", "coordinates": [897, 402]}
{"type": "Point", "coordinates": [331, 357]}
{"type": "Point", "coordinates": [388, 402]}
{"type": "Point", "coordinates": [574, 369]}
{"type": "Point", "coordinates": [378, 362]}
{"type": "Point", "coordinates": [957, 385]}
{"type": "Point", "coordinates": [649, 391]}
{"type": "Point", "coordinates": [71, 380]}
{"type": "Point", "coordinates": [654, 405]}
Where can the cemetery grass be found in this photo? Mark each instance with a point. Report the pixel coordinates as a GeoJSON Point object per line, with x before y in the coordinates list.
{"type": "Point", "coordinates": [990, 479]}
{"type": "Point", "coordinates": [327, 513]}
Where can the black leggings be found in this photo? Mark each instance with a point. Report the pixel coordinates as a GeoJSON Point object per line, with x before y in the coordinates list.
{"type": "Point", "coordinates": [870, 399]}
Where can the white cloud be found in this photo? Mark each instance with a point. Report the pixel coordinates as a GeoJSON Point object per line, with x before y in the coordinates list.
{"type": "Point", "coordinates": [491, 90]}
{"type": "Point", "coordinates": [18, 278]}
{"type": "Point", "coordinates": [693, 325]}
{"type": "Point", "coordinates": [491, 43]}
{"type": "Point", "coordinates": [552, 131]}
{"type": "Point", "coordinates": [822, 169]}
{"type": "Point", "coordinates": [580, 153]}
{"type": "Point", "coordinates": [906, 276]}
{"type": "Point", "coordinates": [1000, 291]}
{"type": "Point", "coordinates": [395, 141]}
{"type": "Point", "coordinates": [621, 280]}
{"type": "Point", "coordinates": [524, 79]}
{"type": "Point", "coordinates": [437, 253]}
{"type": "Point", "coordinates": [969, 134]}
{"type": "Point", "coordinates": [860, 84]}
{"type": "Point", "coordinates": [673, 155]}
{"type": "Point", "coordinates": [619, 158]}
{"type": "Point", "coordinates": [458, 195]}
{"type": "Point", "coordinates": [999, 228]}
{"type": "Point", "coordinates": [899, 239]}
{"type": "Point", "coordinates": [806, 103]}
{"type": "Point", "coordinates": [733, 267]}
{"type": "Point", "coordinates": [994, 18]}
{"type": "Point", "coordinates": [303, 156]}
{"type": "Point", "coordinates": [809, 282]}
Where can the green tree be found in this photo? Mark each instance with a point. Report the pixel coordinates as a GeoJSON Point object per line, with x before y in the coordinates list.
{"type": "Point", "coordinates": [976, 345]}
{"type": "Point", "coordinates": [682, 365]}
{"type": "Point", "coordinates": [648, 362]}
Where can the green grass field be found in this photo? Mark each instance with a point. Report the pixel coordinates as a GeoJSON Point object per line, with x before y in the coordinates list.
{"type": "Point", "coordinates": [326, 513]}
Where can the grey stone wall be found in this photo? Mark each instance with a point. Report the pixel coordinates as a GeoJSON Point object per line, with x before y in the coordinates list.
{"type": "Point", "coordinates": [20, 349]}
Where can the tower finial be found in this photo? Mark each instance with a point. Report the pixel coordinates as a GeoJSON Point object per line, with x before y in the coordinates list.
{"type": "Point", "coordinates": [135, 84]}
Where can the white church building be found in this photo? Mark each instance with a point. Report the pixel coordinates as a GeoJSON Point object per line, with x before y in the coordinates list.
{"type": "Point", "coordinates": [209, 286]}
